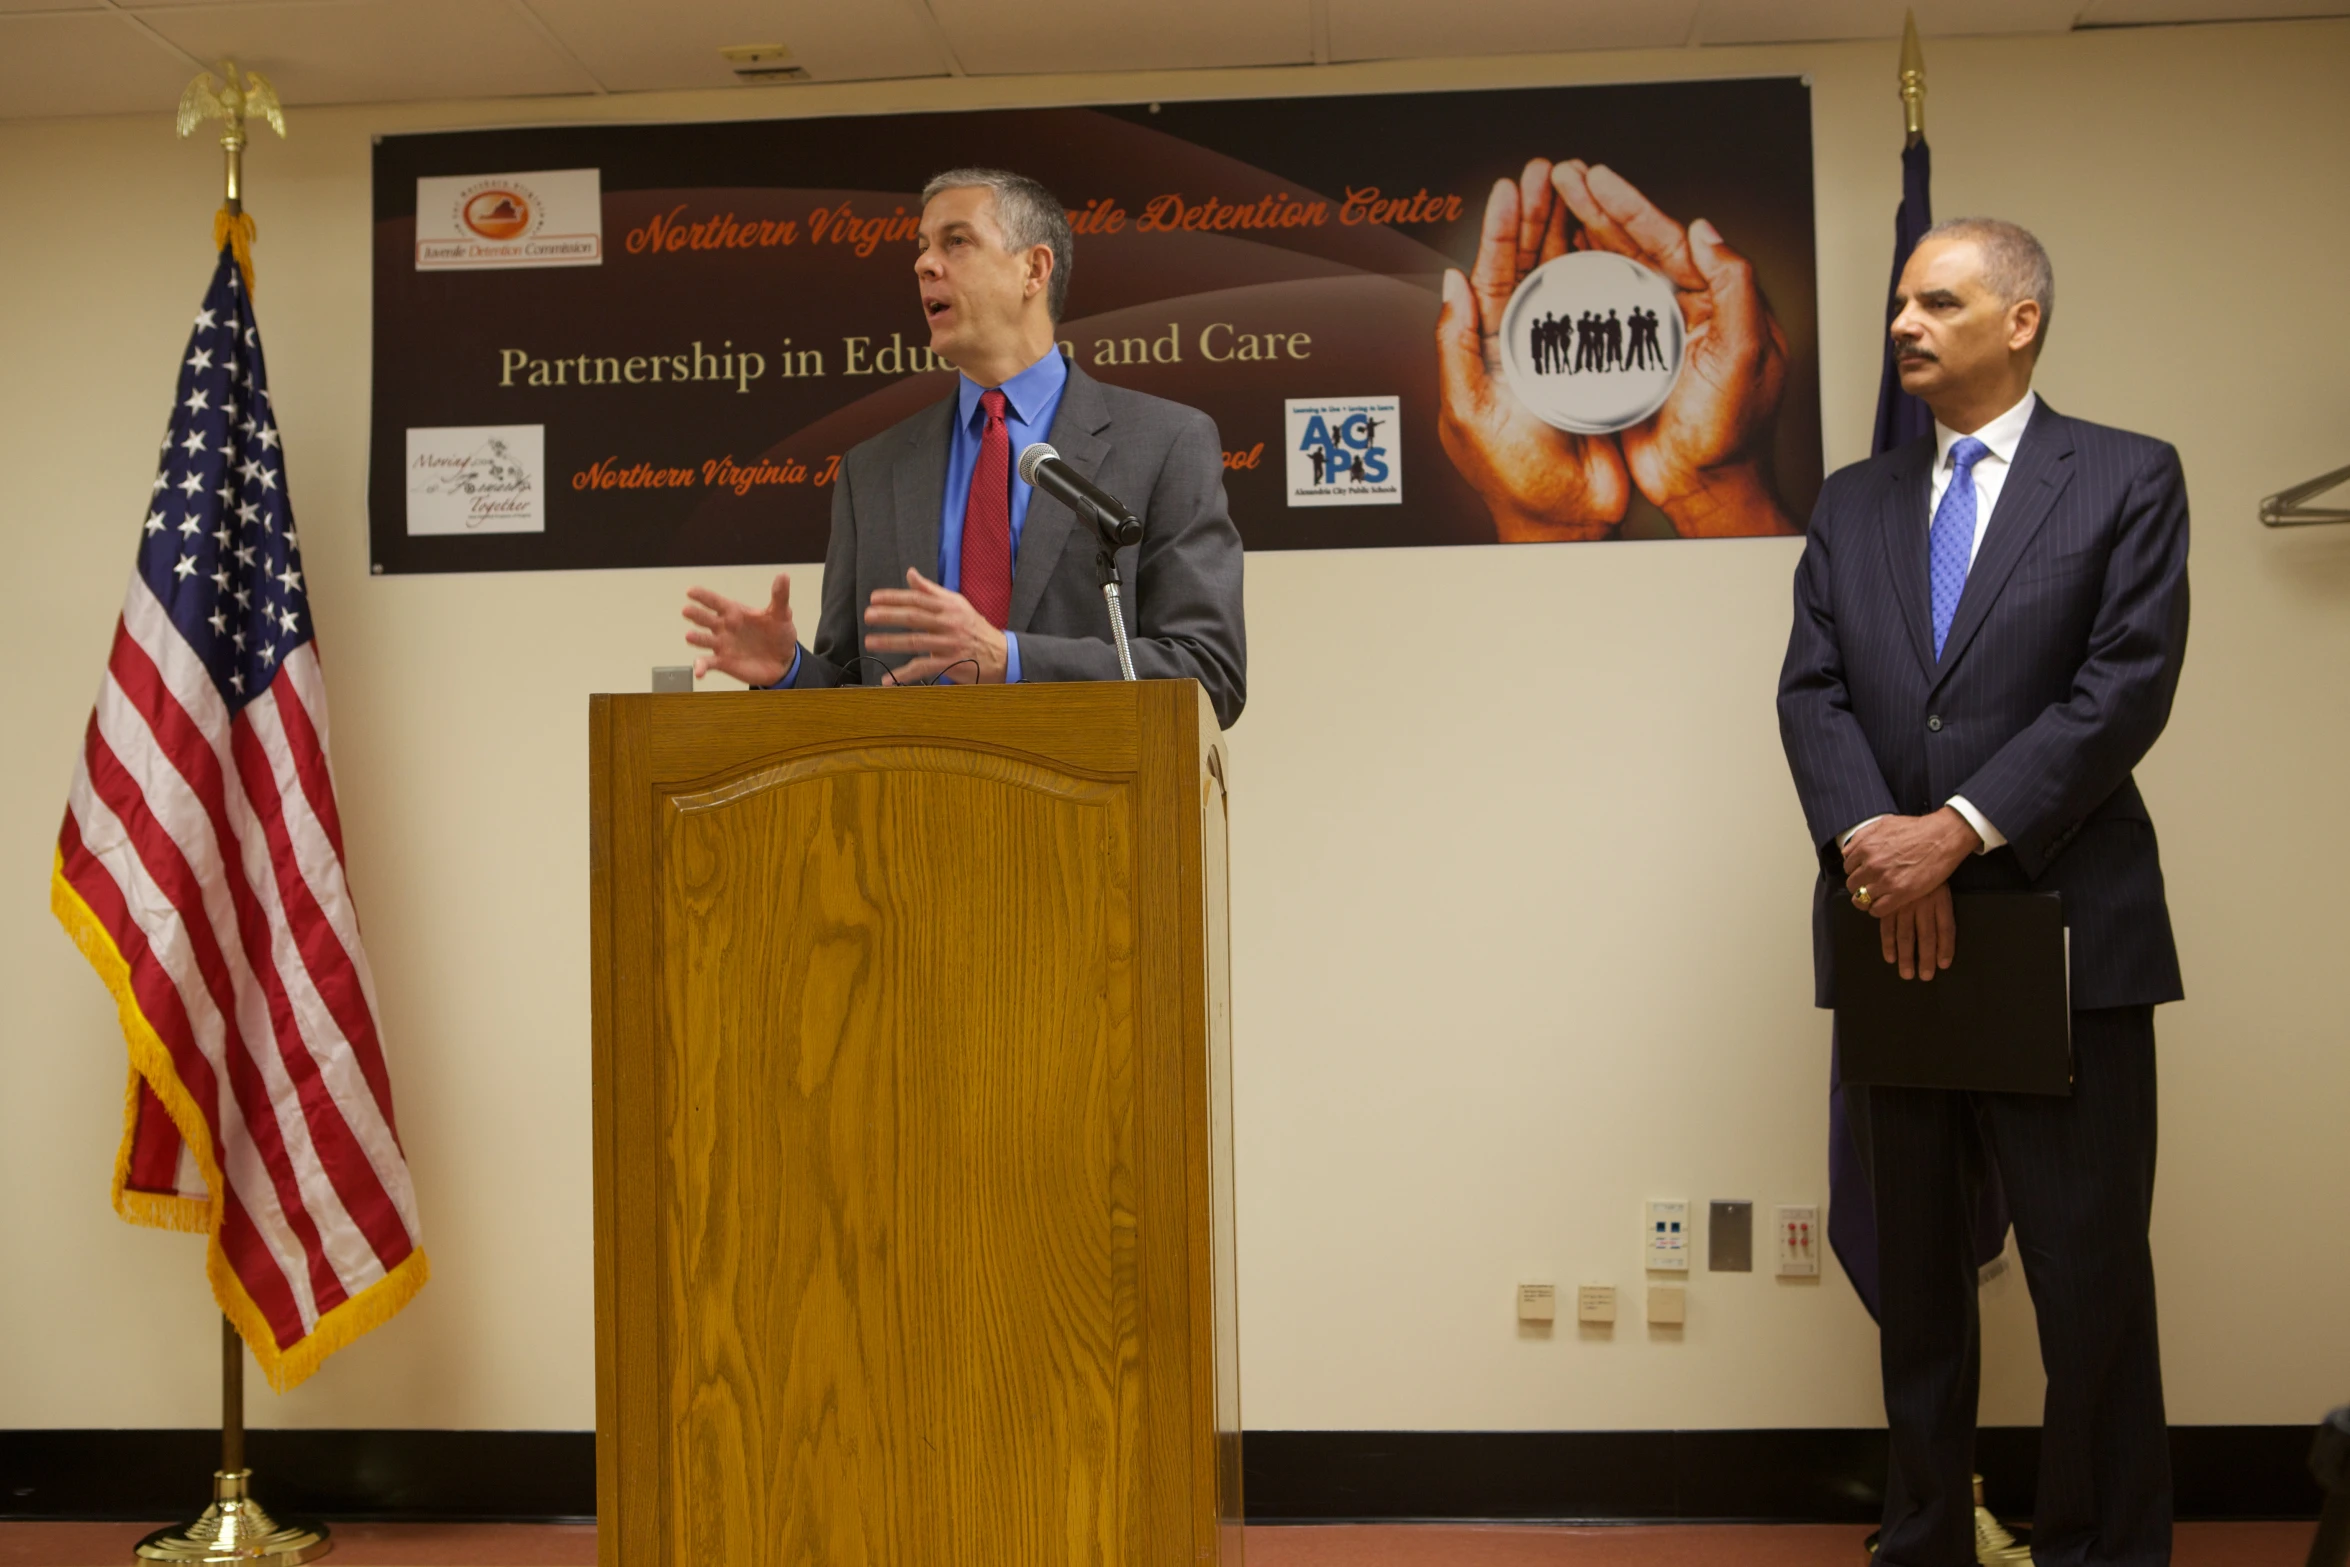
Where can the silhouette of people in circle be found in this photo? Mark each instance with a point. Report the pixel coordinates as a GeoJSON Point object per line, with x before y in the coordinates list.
{"type": "Point", "coordinates": [1616, 341]}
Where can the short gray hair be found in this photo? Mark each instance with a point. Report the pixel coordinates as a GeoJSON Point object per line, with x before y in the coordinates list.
{"type": "Point", "coordinates": [1028, 214]}
{"type": "Point", "coordinates": [2014, 264]}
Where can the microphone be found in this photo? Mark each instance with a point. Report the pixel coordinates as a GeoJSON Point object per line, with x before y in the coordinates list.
{"type": "Point", "coordinates": [1042, 467]}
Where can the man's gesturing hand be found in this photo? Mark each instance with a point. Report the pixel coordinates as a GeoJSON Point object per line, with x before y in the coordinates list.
{"type": "Point", "coordinates": [753, 645]}
{"type": "Point", "coordinates": [1900, 859]}
{"type": "Point", "coordinates": [946, 634]}
{"type": "Point", "coordinates": [1539, 483]}
{"type": "Point", "coordinates": [1698, 459]}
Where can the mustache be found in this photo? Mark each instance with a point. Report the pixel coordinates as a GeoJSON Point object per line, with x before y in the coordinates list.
{"type": "Point", "coordinates": [1911, 355]}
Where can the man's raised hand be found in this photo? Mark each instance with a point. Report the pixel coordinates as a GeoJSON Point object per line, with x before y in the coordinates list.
{"type": "Point", "coordinates": [947, 636]}
{"type": "Point", "coordinates": [756, 646]}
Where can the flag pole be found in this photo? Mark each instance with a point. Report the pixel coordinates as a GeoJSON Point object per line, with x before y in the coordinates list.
{"type": "Point", "coordinates": [1995, 1542]}
{"type": "Point", "coordinates": [235, 1531]}
{"type": "Point", "coordinates": [235, 103]}
{"type": "Point", "coordinates": [1913, 80]}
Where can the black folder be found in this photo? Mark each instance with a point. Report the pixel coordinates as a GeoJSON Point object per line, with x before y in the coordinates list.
{"type": "Point", "coordinates": [1998, 1019]}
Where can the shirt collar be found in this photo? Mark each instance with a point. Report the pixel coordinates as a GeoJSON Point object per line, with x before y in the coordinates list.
{"type": "Point", "coordinates": [1025, 394]}
{"type": "Point", "coordinates": [2003, 434]}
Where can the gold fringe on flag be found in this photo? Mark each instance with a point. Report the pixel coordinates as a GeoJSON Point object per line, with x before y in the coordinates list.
{"type": "Point", "coordinates": [151, 1065]}
{"type": "Point", "coordinates": [235, 229]}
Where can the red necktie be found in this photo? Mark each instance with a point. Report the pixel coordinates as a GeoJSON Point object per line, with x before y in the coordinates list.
{"type": "Point", "coordinates": [987, 519]}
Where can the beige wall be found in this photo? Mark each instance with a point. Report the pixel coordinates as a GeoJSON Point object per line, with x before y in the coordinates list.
{"type": "Point", "coordinates": [1518, 876]}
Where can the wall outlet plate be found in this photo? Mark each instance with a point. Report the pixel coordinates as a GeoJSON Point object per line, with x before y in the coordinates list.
{"type": "Point", "coordinates": [1729, 1237]}
{"type": "Point", "coordinates": [1797, 1239]}
{"type": "Point", "coordinates": [1667, 1237]}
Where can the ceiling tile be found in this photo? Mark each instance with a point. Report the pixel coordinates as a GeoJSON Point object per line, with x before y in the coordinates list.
{"type": "Point", "coordinates": [378, 51]}
{"type": "Point", "coordinates": [635, 47]}
{"type": "Point", "coordinates": [1416, 29]}
{"type": "Point", "coordinates": [993, 39]}
{"type": "Point", "coordinates": [95, 64]}
{"type": "Point", "coordinates": [1808, 21]}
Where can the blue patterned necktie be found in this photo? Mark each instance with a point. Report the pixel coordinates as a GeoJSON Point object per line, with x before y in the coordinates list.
{"type": "Point", "coordinates": [1952, 543]}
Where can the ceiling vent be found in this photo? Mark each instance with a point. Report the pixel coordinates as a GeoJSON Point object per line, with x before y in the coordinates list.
{"type": "Point", "coordinates": [763, 63]}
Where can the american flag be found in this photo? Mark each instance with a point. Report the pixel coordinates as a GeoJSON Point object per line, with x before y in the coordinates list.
{"type": "Point", "coordinates": [200, 869]}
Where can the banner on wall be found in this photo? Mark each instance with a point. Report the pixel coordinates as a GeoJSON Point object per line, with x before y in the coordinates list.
{"type": "Point", "coordinates": [650, 345]}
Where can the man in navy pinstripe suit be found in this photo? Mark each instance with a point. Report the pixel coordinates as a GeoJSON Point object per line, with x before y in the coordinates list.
{"type": "Point", "coordinates": [1988, 631]}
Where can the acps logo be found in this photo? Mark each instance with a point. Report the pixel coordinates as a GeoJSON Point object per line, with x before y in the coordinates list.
{"type": "Point", "coordinates": [1344, 451]}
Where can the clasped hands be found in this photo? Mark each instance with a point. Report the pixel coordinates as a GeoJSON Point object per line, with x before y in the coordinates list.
{"type": "Point", "coordinates": [947, 636]}
{"type": "Point", "coordinates": [1904, 863]}
{"type": "Point", "coordinates": [1698, 458]}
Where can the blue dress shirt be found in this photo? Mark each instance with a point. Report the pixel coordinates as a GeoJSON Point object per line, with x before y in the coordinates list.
{"type": "Point", "coordinates": [1031, 399]}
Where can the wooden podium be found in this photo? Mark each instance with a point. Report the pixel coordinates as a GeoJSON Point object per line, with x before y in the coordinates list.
{"type": "Point", "coordinates": [914, 1239]}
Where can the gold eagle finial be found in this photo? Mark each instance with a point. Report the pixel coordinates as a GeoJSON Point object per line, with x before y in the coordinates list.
{"type": "Point", "coordinates": [232, 102]}
{"type": "Point", "coordinates": [209, 98]}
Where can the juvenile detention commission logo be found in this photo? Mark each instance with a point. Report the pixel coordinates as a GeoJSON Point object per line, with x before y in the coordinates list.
{"type": "Point", "coordinates": [538, 218]}
{"type": "Point", "coordinates": [1344, 451]}
{"type": "Point", "coordinates": [1592, 342]}
{"type": "Point", "coordinates": [498, 212]}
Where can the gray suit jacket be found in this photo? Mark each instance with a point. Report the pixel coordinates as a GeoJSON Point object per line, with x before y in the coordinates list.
{"type": "Point", "coordinates": [1182, 582]}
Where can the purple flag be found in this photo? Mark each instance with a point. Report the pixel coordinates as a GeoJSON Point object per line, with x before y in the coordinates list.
{"type": "Point", "coordinates": [1852, 1213]}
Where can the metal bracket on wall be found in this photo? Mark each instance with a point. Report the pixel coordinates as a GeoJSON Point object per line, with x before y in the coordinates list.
{"type": "Point", "coordinates": [2288, 508]}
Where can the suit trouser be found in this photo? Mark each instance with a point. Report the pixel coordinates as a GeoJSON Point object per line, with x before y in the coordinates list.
{"type": "Point", "coordinates": [2079, 1175]}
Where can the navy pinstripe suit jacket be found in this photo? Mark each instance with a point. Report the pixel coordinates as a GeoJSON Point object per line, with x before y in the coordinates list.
{"type": "Point", "coordinates": [2056, 678]}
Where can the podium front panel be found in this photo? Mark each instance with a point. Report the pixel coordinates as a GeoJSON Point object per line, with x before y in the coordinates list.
{"type": "Point", "coordinates": [906, 1082]}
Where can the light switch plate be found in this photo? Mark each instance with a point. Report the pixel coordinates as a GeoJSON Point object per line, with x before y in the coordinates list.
{"type": "Point", "coordinates": [1729, 1237]}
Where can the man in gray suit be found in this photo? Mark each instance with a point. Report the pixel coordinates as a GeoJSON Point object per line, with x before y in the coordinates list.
{"type": "Point", "coordinates": [964, 573]}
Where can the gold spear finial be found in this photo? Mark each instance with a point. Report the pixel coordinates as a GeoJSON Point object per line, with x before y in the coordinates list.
{"type": "Point", "coordinates": [208, 98]}
{"type": "Point", "coordinates": [1913, 79]}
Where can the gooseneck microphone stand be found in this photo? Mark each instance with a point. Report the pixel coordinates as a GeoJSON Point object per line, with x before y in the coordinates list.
{"type": "Point", "coordinates": [1105, 561]}
{"type": "Point", "coordinates": [1114, 528]}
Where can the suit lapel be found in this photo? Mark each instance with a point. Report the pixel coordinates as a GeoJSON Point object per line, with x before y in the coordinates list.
{"type": "Point", "coordinates": [2043, 466]}
{"type": "Point", "coordinates": [1076, 434]}
{"type": "Point", "coordinates": [1904, 513]}
{"type": "Point", "coordinates": [921, 490]}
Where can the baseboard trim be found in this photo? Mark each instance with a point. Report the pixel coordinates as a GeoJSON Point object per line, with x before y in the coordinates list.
{"type": "Point", "coordinates": [1782, 1476]}
{"type": "Point", "coordinates": [1831, 1475]}
{"type": "Point", "coordinates": [361, 1476]}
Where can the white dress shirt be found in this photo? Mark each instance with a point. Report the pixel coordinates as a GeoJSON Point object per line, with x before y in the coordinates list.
{"type": "Point", "coordinates": [2002, 435]}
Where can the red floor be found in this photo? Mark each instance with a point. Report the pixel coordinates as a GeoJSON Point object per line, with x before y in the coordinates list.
{"type": "Point", "coordinates": [1430, 1545]}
